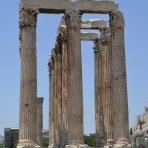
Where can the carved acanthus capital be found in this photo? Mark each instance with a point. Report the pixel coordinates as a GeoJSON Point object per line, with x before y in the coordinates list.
{"type": "Point", "coordinates": [97, 45]}
{"type": "Point", "coordinates": [58, 44]}
{"type": "Point", "coordinates": [117, 20]}
{"type": "Point", "coordinates": [105, 35]}
{"type": "Point", "coordinates": [72, 17]}
{"type": "Point", "coordinates": [28, 17]}
{"type": "Point", "coordinates": [51, 62]}
{"type": "Point", "coordinates": [63, 33]}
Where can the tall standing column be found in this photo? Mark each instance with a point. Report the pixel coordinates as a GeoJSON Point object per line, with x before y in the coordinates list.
{"type": "Point", "coordinates": [100, 132]}
{"type": "Point", "coordinates": [51, 64]}
{"type": "Point", "coordinates": [40, 121]}
{"type": "Point", "coordinates": [63, 33]}
{"type": "Point", "coordinates": [107, 85]}
{"type": "Point", "coordinates": [119, 78]}
{"type": "Point", "coordinates": [28, 86]}
{"type": "Point", "coordinates": [58, 66]}
{"type": "Point", "coordinates": [74, 80]}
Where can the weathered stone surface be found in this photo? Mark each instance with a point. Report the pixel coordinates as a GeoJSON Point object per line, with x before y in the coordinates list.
{"type": "Point", "coordinates": [51, 64]}
{"type": "Point", "coordinates": [120, 100]}
{"type": "Point", "coordinates": [58, 89]}
{"type": "Point", "coordinates": [63, 32]}
{"type": "Point", "coordinates": [40, 121]}
{"type": "Point", "coordinates": [74, 79]}
{"type": "Point", "coordinates": [100, 131]}
{"type": "Point", "coordinates": [28, 88]}
{"type": "Point", "coordinates": [88, 24]}
{"type": "Point", "coordinates": [88, 36]}
{"type": "Point", "coordinates": [56, 6]}
{"type": "Point", "coordinates": [106, 85]}
{"type": "Point", "coordinates": [93, 23]}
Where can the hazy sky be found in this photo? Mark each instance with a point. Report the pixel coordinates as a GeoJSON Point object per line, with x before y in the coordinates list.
{"type": "Point", "coordinates": [136, 32]}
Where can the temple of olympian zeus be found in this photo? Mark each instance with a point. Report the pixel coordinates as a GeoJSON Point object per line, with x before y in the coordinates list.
{"type": "Point", "coordinates": [65, 75]}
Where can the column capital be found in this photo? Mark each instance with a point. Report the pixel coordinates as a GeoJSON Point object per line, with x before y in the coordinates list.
{"type": "Point", "coordinates": [28, 17]}
{"type": "Point", "coordinates": [58, 44]}
{"type": "Point", "coordinates": [63, 32]}
{"type": "Point", "coordinates": [51, 61]}
{"type": "Point", "coordinates": [96, 45]}
{"type": "Point", "coordinates": [117, 20]}
{"type": "Point", "coordinates": [105, 35]}
{"type": "Point", "coordinates": [72, 16]}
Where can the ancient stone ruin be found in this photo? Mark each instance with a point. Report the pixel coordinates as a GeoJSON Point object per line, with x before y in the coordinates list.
{"type": "Point", "coordinates": [65, 75]}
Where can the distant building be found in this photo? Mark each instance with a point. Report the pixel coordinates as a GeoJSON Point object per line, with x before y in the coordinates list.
{"type": "Point", "coordinates": [1, 139]}
{"type": "Point", "coordinates": [11, 136]}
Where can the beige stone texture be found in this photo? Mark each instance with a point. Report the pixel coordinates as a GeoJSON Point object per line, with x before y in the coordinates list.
{"type": "Point", "coordinates": [100, 131]}
{"type": "Point", "coordinates": [93, 23]}
{"type": "Point", "coordinates": [40, 121]}
{"type": "Point", "coordinates": [88, 24]}
{"type": "Point", "coordinates": [51, 64]}
{"type": "Point", "coordinates": [89, 36]}
{"type": "Point", "coordinates": [120, 99]}
{"type": "Point", "coordinates": [74, 79]}
{"type": "Point", "coordinates": [28, 86]}
{"type": "Point", "coordinates": [56, 6]}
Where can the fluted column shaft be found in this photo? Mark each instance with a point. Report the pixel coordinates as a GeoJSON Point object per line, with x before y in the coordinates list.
{"type": "Point", "coordinates": [100, 132]}
{"type": "Point", "coordinates": [74, 78]}
{"type": "Point", "coordinates": [28, 86]}
{"type": "Point", "coordinates": [58, 83]}
{"type": "Point", "coordinates": [51, 65]}
{"type": "Point", "coordinates": [50, 100]}
{"type": "Point", "coordinates": [40, 121]}
{"type": "Point", "coordinates": [63, 32]}
{"type": "Point", "coordinates": [119, 77]}
{"type": "Point", "coordinates": [107, 84]}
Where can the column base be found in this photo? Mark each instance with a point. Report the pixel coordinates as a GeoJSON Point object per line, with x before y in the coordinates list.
{"type": "Point", "coordinates": [122, 146]}
{"type": "Point", "coordinates": [52, 146]}
{"type": "Point", "coordinates": [122, 143]}
{"type": "Point", "coordinates": [110, 144]}
{"type": "Point", "coordinates": [77, 146]}
{"type": "Point", "coordinates": [27, 144]}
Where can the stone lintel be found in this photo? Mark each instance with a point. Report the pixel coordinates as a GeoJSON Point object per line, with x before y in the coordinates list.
{"type": "Point", "coordinates": [89, 24]}
{"type": "Point", "coordinates": [89, 36]}
{"type": "Point", "coordinates": [93, 23]}
{"type": "Point", "coordinates": [59, 6]}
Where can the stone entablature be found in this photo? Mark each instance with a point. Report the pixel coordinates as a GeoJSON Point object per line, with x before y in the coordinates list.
{"type": "Point", "coordinates": [84, 6]}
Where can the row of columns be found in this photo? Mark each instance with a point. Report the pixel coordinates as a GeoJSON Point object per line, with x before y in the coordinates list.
{"type": "Point", "coordinates": [65, 75]}
{"type": "Point", "coordinates": [65, 63]}
{"type": "Point", "coordinates": [105, 126]}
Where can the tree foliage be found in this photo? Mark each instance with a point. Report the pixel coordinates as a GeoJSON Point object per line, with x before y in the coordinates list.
{"type": "Point", "coordinates": [90, 140]}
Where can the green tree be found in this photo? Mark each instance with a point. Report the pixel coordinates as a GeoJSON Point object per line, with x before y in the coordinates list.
{"type": "Point", "coordinates": [90, 140]}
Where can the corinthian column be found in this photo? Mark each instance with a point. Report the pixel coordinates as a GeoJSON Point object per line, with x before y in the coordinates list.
{"type": "Point", "coordinates": [63, 33]}
{"type": "Point", "coordinates": [100, 131]}
{"type": "Point", "coordinates": [58, 83]}
{"type": "Point", "coordinates": [28, 86]}
{"type": "Point", "coordinates": [51, 64]}
{"type": "Point", "coordinates": [119, 78]}
{"type": "Point", "coordinates": [107, 85]}
{"type": "Point", "coordinates": [74, 80]}
{"type": "Point", "coordinates": [40, 120]}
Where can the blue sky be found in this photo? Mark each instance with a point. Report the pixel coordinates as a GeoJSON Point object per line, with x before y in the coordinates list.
{"type": "Point", "coordinates": [136, 32]}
